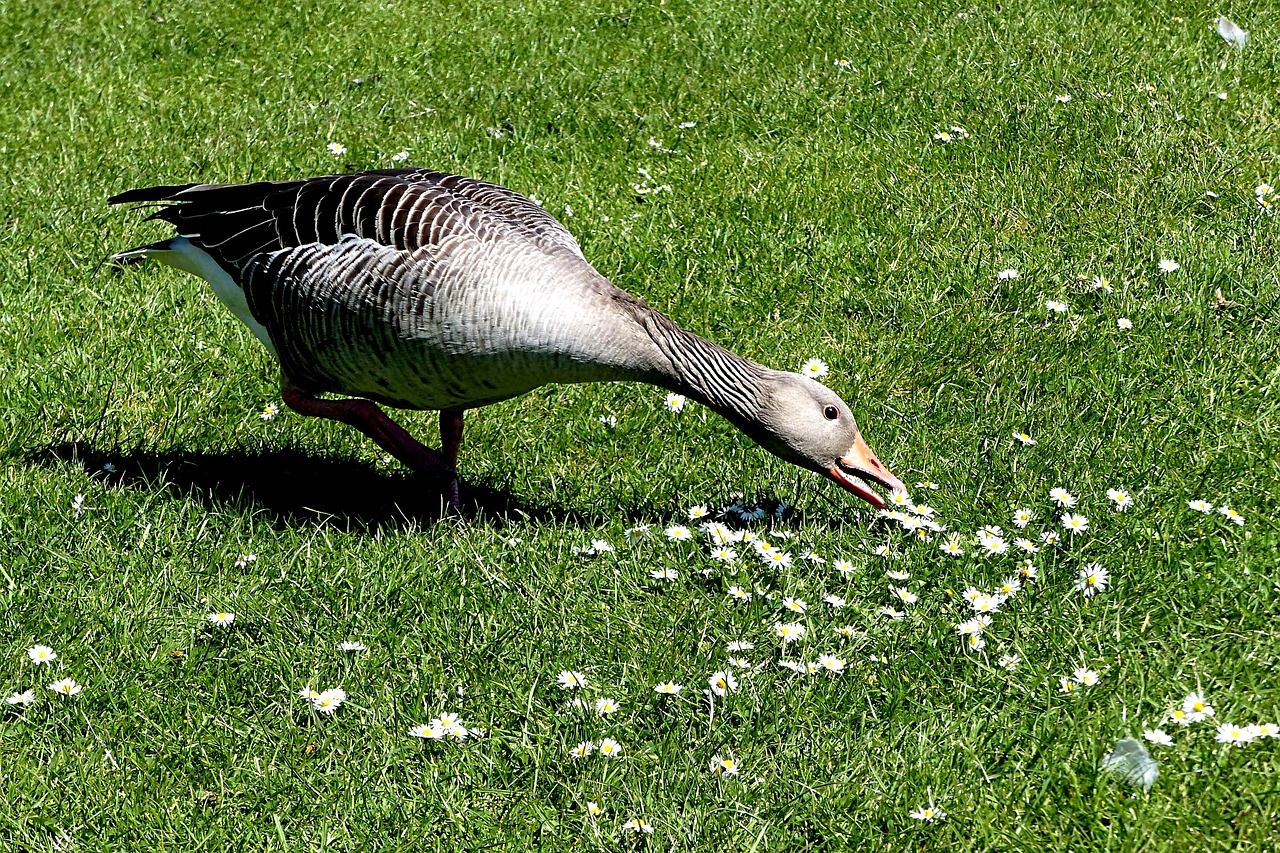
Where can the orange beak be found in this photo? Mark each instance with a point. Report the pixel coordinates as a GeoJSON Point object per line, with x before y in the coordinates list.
{"type": "Point", "coordinates": [861, 464]}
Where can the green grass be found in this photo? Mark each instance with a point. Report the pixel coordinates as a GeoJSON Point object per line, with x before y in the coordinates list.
{"type": "Point", "coordinates": [811, 215]}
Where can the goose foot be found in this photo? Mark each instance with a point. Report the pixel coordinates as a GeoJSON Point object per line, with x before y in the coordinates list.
{"type": "Point", "coordinates": [365, 416]}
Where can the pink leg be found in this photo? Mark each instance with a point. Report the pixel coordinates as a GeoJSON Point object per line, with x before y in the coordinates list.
{"type": "Point", "coordinates": [390, 436]}
{"type": "Point", "coordinates": [450, 441]}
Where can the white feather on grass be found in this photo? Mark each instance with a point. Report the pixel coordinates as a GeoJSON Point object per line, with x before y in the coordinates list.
{"type": "Point", "coordinates": [1131, 763]}
{"type": "Point", "coordinates": [1232, 33]}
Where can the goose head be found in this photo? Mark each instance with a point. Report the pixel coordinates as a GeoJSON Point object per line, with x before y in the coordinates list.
{"type": "Point", "coordinates": [807, 424]}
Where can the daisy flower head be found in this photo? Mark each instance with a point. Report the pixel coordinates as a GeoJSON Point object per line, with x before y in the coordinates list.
{"type": "Point", "coordinates": [1233, 734]}
{"type": "Point", "coordinates": [834, 601]}
{"type": "Point", "coordinates": [1093, 579]}
{"type": "Point", "coordinates": [1231, 515]}
{"type": "Point", "coordinates": [737, 592]}
{"type": "Point", "coordinates": [221, 619]}
{"type": "Point", "coordinates": [903, 594]}
{"type": "Point", "coordinates": [795, 605]}
{"type": "Point", "coordinates": [1062, 497]}
{"type": "Point", "coordinates": [604, 707]}
{"type": "Point", "coordinates": [898, 575]}
{"type": "Point", "coordinates": [1062, 99]}
{"type": "Point", "coordinates": [814, 368]}
{"type": "Point", "coordinates": [900, 498]}
{"type": "Point", "coordinates": [1067, 685]}
{"type": "Point", "coordinates": [1158, 736]}
{"type": "Point", "coordinates": [1181, 717]}
{"type": "Point", "coordinates": [774, 557]}
{"type": "Point", "coordinates": [1167, 266]}
{"type": "Point", "coordinates": [788, 632]}
{"type": "Point", "coordinates": [426, 731]}
{"type": "Point", "coordinates": [943, 136]}
{"type": "Point", "coordinates": [975, 643]}
{"type": "Point", "coordinates": [722, 683]}
{"type": "Point", "coordinates": [593, 808]}
{"type": "Point", "coordinates": [927, 814]}
{"type": "Point", "coordinates": [848, 632]}
{"type": "Point", "coordinates": [665, 574]}
{"type": "Point", "coordinates": [1009, 662]}
{"type": "Point", "coordinates": [23, 698]}
{"type": "Point", "coordinates": [698, 511]}
{"type": "Point", "coordinates": [399, 156]}
{"type": "Point", "coordinates": [1024, 439]}
{"type": "Point", "coordinates": [1124, 324]}
{"type": "Point", "coordinates": [1022, 517]}
{"type": "Point", "coordinates": [892, 613]}
{"type": "Point", "coordinates": [269, 411]}
{"type": "Point", "coordinates": [667, 688]}
{"type": "Point", "coordinates": [1051, 537]}
{"type": "Point", "coordinates": [928, 484]}
{"type": "Point", "coordinates": [352, 646]}
{"type": "Point", "coordinates": [41, 655]}
{"type": "Point", "coordinates": [994, 546]}
{"type": "Point", "coordinates": [844, 567]}
{"type": "Point", "coordinates": [1074, 523]}
{"type": "Point", "coordinates": [831, 664]}
{"type": "Point", "coordinates": [569, 679]}
{"type": "Point", "coordinates": [1056, 306]}
{"type": "Point", "coordinates": [66, 687]}
{"type": "Point", "coordinates": [983, 603]}
{"type": "Point", "coordinates": [610, 748]}
{"type": "Point", "coordinates": [674, 402]}
{"type": "Point", "coordinates": [327, 701]}
{"type": "Point", "coordinates": [1026, 545]}
{"type": "Point", "coordinates": [1102, 284]}
{"type": "Point", "coordinates": [1085, 677]}
{"type": "Point", "coordinates": [337, 149]}
{"type": "Point", "coordinates": [1260, 730]}
{"type": "Point", "coordinates": [679, 533]}
{"type": "Point", "coordinates": [724, 554]}
{"type": "Point", "coordinates": [883, 551]}
{"type": "Point", "coordinates": [637, 534]}
{"type": "Point", "coordinates": [1197, 708]}
{"type": "Point", "coordinates": [1008, 275]}
{"type": "Point", "coordinates": [724, 765]}
{"type": "Point", "coordinates": [1009, 586]}
{"type": "Point", "coordinates": [1200, 505]}
{"type": "Point", "coordinates": [639, 825]}
{"type": "Point", "coordinates": [1121, 498]}
{"type": "Point", "coordinates": [582, 750]}
{"type": "Point", "coordinates": [952, 547]}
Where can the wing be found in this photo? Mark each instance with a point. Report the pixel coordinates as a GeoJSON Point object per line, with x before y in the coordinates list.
{"type": "Point", "coordinates": [406, 209]}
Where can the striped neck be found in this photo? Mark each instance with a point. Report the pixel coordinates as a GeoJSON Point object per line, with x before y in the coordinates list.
{"type": "Point", "coordinates": [728, 384]}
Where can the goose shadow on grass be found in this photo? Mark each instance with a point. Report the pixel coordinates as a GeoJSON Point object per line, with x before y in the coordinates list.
{"type": "Point", "coordinates": [295, 487]}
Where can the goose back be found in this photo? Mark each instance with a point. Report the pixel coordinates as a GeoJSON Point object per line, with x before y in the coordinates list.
{"type": "Point", "coordinates": [412, 287]}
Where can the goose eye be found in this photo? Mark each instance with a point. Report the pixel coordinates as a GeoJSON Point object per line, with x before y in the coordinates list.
{"type": "Point", "coordinates": [831, 413]}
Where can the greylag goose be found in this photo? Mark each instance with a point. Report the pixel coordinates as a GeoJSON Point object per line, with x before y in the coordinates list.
{"type": "Point", "coordinates": [422, 290]}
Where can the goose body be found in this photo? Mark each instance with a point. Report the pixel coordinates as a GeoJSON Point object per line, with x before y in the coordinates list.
{"type": "Point", "coordinates": [422, 290]}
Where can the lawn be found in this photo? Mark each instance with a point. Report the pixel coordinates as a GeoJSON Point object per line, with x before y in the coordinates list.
{"type": "Point", "coordinates": [848, 182]}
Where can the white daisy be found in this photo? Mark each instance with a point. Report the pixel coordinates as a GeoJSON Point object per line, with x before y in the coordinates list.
{"type": "Point", "coordinates": [1062, 497]}
{"type": "Point", "coordinates": [1093, 579]}
{"type": "Point", "coordinates": [814, 368]}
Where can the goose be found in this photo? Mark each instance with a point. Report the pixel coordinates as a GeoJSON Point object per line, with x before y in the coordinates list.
{"type": "Point", "coordinates": [421, 290]}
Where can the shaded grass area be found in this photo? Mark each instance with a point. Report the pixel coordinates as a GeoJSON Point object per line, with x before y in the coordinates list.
{"type": "Point", "coordinates": [811, 214]}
